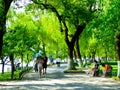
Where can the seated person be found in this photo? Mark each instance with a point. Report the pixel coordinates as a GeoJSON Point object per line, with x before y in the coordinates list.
{"type": "Point", "coordinates": [95, 68]}
{"type": "Point", "coordinates": [107, 68]}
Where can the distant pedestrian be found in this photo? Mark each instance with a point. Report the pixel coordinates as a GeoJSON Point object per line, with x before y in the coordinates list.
{"type": "Point", "coordinates": [51, 60]}
{"type": "Point", "coordinates": [58, 61]}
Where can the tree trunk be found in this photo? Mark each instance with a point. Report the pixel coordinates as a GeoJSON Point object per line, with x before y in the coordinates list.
{"type": "Point", "coordinates": [71, 65]}
{"type": "Point", "coordinates": [12, 66]}
{"type": "Point", "coordinates": [93, 55]}
{"type": "Point", "coordinates": [78, 52]}
{"type": "Point", "coordinates": [118, 73]}
{"type": "Point", "coordinates": [4, 7]}
{"type": "Point", "coordinates": [64, 27]}
{"type": "Point", "coordinates": [27, 60]}
{"type": "Point", "coordinates": [85, 62]}
{"type": "Point", "coordinates": [118, 52]}
{"type": "Point", "coordinates": [22, 60]}
{"type": "Point", "coordinates": [71, 44]}
{"type": "Point", "coordinates": [44, 49]}
{"type": "Point", "coordinates": [2, 26]}
{"type": "Point", "coordinates": [1, 39]}
{"type": "Point", "coordinates": [3, 64]}
{"type": "Point", "coordinates": [75, 56]}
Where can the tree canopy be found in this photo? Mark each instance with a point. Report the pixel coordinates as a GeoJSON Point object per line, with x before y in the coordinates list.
{"type": "Point", "coordinates": [58, 28]}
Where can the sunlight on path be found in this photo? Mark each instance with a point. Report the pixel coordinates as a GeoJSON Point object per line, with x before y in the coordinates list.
{"type": "Point", "coordinates": [55, 79]}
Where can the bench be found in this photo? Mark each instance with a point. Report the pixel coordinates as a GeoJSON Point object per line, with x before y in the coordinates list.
{"type": "Point", "coordinates": [109, 73]}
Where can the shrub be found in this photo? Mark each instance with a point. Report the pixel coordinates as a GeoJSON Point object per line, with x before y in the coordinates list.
{"type": "Point", "coordinates": [18, 74]}
{"type": "Point", "coordinates": [24, 71]}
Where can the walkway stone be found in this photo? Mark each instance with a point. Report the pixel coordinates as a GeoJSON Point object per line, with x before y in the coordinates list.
{"type": "Point", "coordinates": [55, 79]}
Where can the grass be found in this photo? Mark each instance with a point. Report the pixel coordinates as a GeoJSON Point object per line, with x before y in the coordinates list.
{"type": "Point", "coordinates": [112, 63]}
{"type": "Point", "coordinates": [116, 78]}
{"type": "Point", "coordinates": [7, 76]}
{"type": "Point", "coordinates": [18, 74]}
{"type": "Point", "coordinates": [80, 69]}
{"type": "Point", "coordinates": [74, 71]}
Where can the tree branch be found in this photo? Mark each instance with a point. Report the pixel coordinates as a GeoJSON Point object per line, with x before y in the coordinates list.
{"type": "Point", "coordinates": [80, 28]}
{"type": "Point", "coordinates": [66, 33]}
{"type": "Point", "coordinates": [53, 9]}
{"type": "Point", "coordinates": [60, 18]}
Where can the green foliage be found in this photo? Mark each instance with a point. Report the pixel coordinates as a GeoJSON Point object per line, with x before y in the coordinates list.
{"type": "Point", "coordinates": [111, 63]}
{"type": "Point", "coordinates": [104, 28]}
{"type": "Point", "coordinates": [18, 74]}
{"type": "Point", "coordinates": [74, 71]}
{"type": "Point", "coordinates": [24, 71]}
{"type": "Point", "coordinates": [7, 76]}
{"type": "Point", "coordinates": [22, 36]}
{"type": "Point", "coordinates": [116, 78]}
{"type": "Point", "coordinates": [1, 10]}
{"type": "Point", "coordinates": [39, 24]}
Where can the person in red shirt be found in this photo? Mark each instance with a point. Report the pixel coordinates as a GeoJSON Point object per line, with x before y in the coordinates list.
{"type": "Point", "coordinates": [107, 68]}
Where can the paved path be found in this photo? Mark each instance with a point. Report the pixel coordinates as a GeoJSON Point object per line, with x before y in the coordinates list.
{"type": "Point", "coordinates": [55, 79]}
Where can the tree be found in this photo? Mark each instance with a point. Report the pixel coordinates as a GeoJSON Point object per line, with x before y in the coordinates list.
{"type": "Point", "coordinates": [74, 13]}
{"type": "Point", "coordinates": [117, 37]}
{"type": "Point", "coordinates": [48, 30]}
{"type": "Point", "coordinates": [4, 7]}
{"type": "Point", "coordinates": [108, 22]}
{"type": "Point", "coordinates": [4, 62]}
{"type": "Point", "coordinates": [17, 40]}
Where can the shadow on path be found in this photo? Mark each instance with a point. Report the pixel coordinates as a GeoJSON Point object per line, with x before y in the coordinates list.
{"type": "Point", "coordinates": [53, 72]}
{"type": "Point", "coordinates": [55, 79]}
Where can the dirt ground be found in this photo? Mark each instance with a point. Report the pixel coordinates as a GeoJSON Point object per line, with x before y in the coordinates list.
{"type": "Point", "coordinates": [55, 79]}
